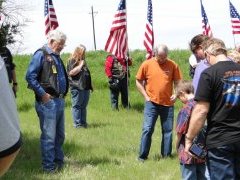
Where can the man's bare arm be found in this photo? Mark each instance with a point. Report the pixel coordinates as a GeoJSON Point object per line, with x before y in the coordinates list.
{"type": "Point", "coordinates": [196, 123]}
{"type": "Point", "coordinates": [141, 89]}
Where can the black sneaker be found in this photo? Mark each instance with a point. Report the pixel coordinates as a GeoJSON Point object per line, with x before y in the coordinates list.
{"type": "Point", "coordinates": [50, 171]}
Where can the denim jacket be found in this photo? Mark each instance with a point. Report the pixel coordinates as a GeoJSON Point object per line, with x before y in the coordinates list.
{"type": "Point", "coordinates": [35, 69]}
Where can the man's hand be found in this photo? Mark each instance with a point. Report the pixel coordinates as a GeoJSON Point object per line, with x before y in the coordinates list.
{"type": "Point", "coordinates": [110, 80]}
{"type": "Point", "coordinates": [173, 98]}
{"type": "Point", "coordinates": [46, 97]}
{"type": "Point", "coordinates": [147, 98]}
{"type": "Point", "coordinates": [188, 143]}
{"type": "Point", "coordinates": [141, 88]}
{"type": "Point", "coordinates": [15, 88]}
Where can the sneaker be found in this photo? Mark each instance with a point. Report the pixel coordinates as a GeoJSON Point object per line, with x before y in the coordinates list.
{"type": "Point", "coordinates": [141, 159]}
{"type": "Point", "coordinates": [167, 156]}
{"type": "Point", "coordinates": [80, 126]}
{"type": "Point", "coordinates": [50, 171]}
{"type": "Point", "coordinates": [59, 167]}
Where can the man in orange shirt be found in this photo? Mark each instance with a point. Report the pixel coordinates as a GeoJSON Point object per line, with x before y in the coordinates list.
{"type": "Point", "coordinates": [155, 80]}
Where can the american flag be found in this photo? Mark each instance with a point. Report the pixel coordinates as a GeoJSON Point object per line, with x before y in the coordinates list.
{"type": "Point", "coordinates": [205, 24]}
{"type": "Point", "coordinates": [149, 35]}
{"type": "Point", "coordinates": [50, 16]}
{"type": "Point", "coordinates": [117, 43]}
{"type": "Point", "coordinates": [235, 19]}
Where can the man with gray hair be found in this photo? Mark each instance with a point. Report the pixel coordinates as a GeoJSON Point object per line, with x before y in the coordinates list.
{"type": "Point", "coordinates": [218, 101]}
{"type": "Point", "coordinates": [155, 80]}
{"type": "Point", "coordinates": [47, 77]}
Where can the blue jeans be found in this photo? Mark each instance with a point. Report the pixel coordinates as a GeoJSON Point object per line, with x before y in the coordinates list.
{"type": "Point", "coordinates": [80, 100]}
{"type": "Point", "coordinates": [224, 162]}
{"type": "Point", "coordinates": [114, 94]}
{"type": "Point", "coordinates": [51, 117]}
{"type": "Point", "coordinates": [194, 172]}
{"type": "Point", "coordinates": [151, 113]}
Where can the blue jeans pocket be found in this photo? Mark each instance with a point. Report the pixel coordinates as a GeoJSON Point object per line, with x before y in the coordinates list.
{"type": "Point", "coordinates": [49, 104]}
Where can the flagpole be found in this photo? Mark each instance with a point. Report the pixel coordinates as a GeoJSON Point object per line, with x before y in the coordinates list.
{"type": "Point", "coordinates": [234, 41]}
{"type": "Point", "coordinates": [127, 60]}
{"type": "Point", "coordinates": [232, 29]}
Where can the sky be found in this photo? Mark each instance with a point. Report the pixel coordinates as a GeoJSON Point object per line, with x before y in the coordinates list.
{"type": "Point", "coordinates": [175, 22]}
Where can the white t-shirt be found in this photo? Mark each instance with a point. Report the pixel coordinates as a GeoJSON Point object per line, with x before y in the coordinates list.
{"type": "Point", "coordinates": [9, 121]}
{"type": "Point", "coordinates": [193, 61]}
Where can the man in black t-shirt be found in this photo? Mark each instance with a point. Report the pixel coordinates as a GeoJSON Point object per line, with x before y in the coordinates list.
{"type": "Point", "coordinates": [10, 66]}
{"type": "Point", "coordinates": [218, 101]}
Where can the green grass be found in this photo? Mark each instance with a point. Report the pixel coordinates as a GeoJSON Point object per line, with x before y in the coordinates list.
{"type": "Point", "coordinates": [108, 149]}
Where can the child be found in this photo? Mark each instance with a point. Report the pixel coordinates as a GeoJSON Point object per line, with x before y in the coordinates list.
{"type": "Point", "coordinates": [191, 167]}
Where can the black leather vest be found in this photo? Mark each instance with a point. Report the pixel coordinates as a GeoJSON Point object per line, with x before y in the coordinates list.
{"type": "Point", "coordinates": [118, 70]}
{"type": "Point", "coordinates": [47, 77]}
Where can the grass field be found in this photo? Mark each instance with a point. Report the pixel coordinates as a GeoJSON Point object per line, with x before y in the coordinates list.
{"type": "Point", "coordinates": [108, 149]}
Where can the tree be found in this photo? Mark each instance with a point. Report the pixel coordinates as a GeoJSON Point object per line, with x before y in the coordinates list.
{"type": "Point", "coordinates": [12, 23]}
{"type": "Point", "coordinates": [7, 34]}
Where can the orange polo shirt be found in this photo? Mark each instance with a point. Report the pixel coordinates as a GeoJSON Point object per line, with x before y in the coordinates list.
{"type": "Point", "coordinates": [159, 79]}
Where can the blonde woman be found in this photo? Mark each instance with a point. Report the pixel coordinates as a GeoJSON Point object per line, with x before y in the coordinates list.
{"type": "Point", "coordinates": [80, 85]}
{"type": "Point", "coordinates": [234, 55]}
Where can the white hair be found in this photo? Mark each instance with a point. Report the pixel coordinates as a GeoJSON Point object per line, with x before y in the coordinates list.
{"type": "Point", "coordinates": [162, 48]}
{"type": "Point", "coordinates": [56, 35]}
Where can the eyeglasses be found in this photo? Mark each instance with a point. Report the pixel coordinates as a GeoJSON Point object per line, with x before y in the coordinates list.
{"type": "Point", "coordinates": [161, 56]}
{"type": "Point", "coordinates": [61, 43]}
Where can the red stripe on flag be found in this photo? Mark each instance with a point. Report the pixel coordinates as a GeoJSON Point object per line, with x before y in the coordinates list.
{"type": "Point", "coordinates": [148, 41]}
{"type": "Point", "coordinates": [51, 21]}
{"type": "Point", "coordinates": [117, 41]}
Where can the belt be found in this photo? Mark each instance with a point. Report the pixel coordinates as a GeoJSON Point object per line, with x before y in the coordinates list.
{"type": "Point", "coordinates": [61, 96]}
{"type": "Point", "coordinates": [58, 96]}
